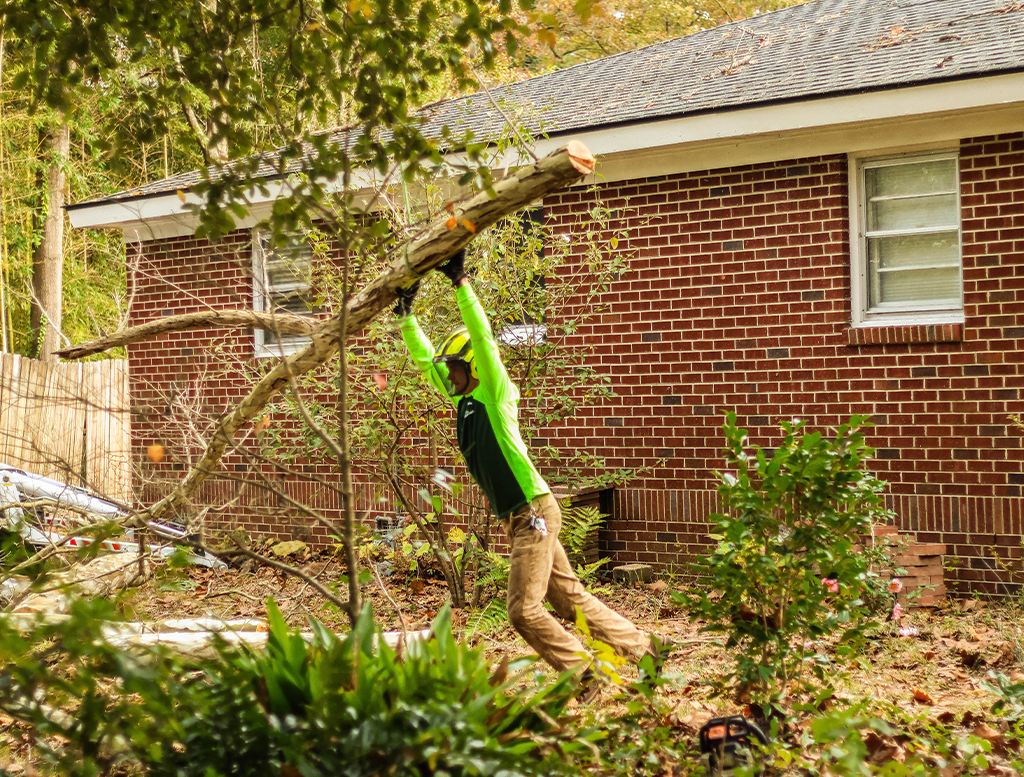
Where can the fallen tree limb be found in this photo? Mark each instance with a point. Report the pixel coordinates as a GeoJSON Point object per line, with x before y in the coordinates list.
{"type": "Point", "coordinates": [284, 323]}
{"type": "Point", "coordinates": [101, 577]}
{"type": "Point", "coordinates": [199, 644]}
{"type": "Point", "coordinates": [517, 190]}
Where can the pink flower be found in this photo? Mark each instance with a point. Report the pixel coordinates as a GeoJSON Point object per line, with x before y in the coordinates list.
{"type": "Point", "coordinates": [908, 631]}
{"type": "Point", "coordinates": [831, 585]}
{"type": "Point", "coordinates": [897, 611]}
{"type": "Point", "coordinates": [895, 585]}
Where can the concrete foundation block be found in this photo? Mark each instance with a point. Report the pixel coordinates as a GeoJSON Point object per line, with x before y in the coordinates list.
{"type": "Point", "coordinates": [632, 573]}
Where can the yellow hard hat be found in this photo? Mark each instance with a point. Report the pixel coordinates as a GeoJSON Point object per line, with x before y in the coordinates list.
{"type": "Point", "coordinates": [458, 348]}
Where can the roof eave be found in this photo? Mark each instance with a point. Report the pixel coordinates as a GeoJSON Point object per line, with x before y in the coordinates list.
{"type": "Point", "coordinates": [157, 215]}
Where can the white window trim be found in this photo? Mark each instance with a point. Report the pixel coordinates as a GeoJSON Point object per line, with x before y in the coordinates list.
{"type": "Point", "coordinates": [288, 344]}
{"type": "Point", "coordinates": [858, 242]}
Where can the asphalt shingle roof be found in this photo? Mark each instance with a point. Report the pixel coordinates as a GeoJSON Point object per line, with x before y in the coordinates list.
{"type": "Point", "coordinates": [823, 48]}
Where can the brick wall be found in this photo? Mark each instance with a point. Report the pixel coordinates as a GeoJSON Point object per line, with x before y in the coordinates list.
{"type": "Point", "coordinates": [739, 298]}
{"type": "Point", "coordinates": [182, 382]}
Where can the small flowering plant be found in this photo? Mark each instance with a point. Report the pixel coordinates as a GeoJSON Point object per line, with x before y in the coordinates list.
{"type": "Point", "coordinates": [787, 570]}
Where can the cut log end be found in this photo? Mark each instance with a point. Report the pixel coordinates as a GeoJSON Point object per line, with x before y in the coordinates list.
{"type": "Point", "coordinates": [581, 157]}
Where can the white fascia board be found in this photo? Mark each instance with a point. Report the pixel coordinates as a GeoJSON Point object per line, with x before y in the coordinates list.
{"type": "Point", "coordinates": [168, 215]}
{"type": "Point", "coordinates": [932, 113]}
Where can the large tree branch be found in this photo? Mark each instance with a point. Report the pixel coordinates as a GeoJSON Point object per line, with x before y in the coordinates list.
{"type": "Point", "coordinates": [517, 190]}
{"type": "Point", "coordinates": [285, 323]}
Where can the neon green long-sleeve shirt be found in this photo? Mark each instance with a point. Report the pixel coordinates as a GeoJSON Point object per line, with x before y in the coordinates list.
{"type": "Point", "coordinates": [488, 418]}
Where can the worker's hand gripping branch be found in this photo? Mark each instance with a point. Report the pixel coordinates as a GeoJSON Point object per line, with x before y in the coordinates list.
{"type": "Point", "coordinates": [455, 268]}
{"type": "Point", "coordinates": [406, 295]}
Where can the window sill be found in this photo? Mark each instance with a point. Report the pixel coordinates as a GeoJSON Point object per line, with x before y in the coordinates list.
{"type": "Point", "coordinates": [905, 334]}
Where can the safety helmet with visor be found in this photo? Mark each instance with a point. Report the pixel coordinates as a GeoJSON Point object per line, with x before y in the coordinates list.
{"type": "Point", "coordinates": [458, 348]}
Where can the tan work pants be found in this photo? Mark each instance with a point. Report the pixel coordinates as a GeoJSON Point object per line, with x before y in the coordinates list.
{"type": "Point", "coordinates": [541, 570]}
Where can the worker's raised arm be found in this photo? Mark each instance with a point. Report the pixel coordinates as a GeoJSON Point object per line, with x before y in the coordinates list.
{"type": "Point", "coordinates": [420, 348]}
{"type": "Point", "coordinates": [489, 366]}
{"type": "Point", "coordinates": [490, 370]}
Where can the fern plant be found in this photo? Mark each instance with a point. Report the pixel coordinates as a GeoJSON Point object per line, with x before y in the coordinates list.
{"type": "Point", "coordinates": [498, 568]}
{"type": "Point", "coordinates": [488, 620]}
{"type": "Point", "coordinates": [580, 524]}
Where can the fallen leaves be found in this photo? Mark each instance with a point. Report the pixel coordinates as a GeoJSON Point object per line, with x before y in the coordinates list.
{"type": "Point", "coordinates": [894, 37]}
{"type": "Point", "coordinates": [883, 749]}
{"type": "Point", "coordinates": [980, 650]}
{"type": "Point", "coordinates": [923, 697]}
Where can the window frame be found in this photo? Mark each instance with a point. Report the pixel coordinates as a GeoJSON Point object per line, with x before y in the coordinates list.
{"type": "Point", "coordinates": [911, 314]}
{"type": "Point", "coordinates": [288, 343]}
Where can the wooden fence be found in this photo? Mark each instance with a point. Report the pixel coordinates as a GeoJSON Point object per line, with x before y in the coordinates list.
{"type": "Point", "coordinates": [67, 421]}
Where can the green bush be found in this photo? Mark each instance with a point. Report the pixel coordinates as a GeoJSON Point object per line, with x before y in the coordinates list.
{"type": "Point", "coordinates": [868, 738]}
{"type": "Point", "coordinates": [785, 573]}
{"type": "Point", "coordinates": [333, 706]}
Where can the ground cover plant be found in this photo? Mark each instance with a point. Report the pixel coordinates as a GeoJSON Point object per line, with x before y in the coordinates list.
{"type": "Point", "coordinates": [905, 699]}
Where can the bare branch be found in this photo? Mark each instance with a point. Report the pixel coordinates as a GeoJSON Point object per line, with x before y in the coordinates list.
{"type": "Point", "coordinates": [285, 323]}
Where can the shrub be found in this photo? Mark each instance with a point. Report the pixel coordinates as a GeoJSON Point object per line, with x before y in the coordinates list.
{"type": "Point", "coordinates": [785, 573]}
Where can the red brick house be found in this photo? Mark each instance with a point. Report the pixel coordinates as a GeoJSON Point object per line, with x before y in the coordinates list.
{"type": "Point", "coordinates": [826, 208]}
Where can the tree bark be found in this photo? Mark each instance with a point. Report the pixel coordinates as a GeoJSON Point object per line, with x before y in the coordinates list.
{"type": "Point", "coordinates": [282, 323]}
{"type": "Point", "coordinates": [517, 190]}
{"type": "Point", "coordinates": [48, 257]}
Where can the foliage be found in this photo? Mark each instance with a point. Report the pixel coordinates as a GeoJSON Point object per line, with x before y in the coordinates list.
{"type": "Point", "coordinates": [785, 573]}
{"type": "Point", "coordinates": [495, 570]}
{"type": "Point", "coordinates": [579, 532]}
{"type": "Point", "coordinates": [1009, 695]}
{"type": "Point", "coordinates": [488, 618]}
{"type": "Point", "coordinates": [568, 32]}
{"type": "Point", "coordinates": [150, 93]}
{"type": "Point", "coordinates": [329, 706]}
{"type": "Point", "coordinates": [857, 741]}
{"type": "Point", "coordinates": [94, 261]}
{"type": "Point", "coordinates": [642, 736]}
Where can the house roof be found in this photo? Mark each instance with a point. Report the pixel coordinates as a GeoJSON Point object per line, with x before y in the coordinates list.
{"type": "Point", "coordinates": [823, 48]}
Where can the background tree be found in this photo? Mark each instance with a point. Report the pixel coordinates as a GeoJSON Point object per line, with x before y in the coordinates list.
{"type": "Point", "coordinates": [123, 135]}
{"type": "Point", "coordinates": [569, 32]}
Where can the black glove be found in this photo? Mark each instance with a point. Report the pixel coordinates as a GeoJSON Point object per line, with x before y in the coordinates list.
{"type": "Point", "coordinates": [405, 295]}
{"type": "Point", "coordinates": [454, 268]}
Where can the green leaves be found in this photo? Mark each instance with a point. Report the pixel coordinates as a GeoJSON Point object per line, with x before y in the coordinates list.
{"type": "Point", "coordinates": [786, 566]}
{"type": "Point", "coordinates": [317, 704]}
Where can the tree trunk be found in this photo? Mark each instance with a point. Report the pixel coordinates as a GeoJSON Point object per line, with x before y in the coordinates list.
{"type": "Point", "coordinates": [48, 258]}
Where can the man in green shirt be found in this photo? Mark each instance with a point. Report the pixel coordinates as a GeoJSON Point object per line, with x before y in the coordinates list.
{"type": "Point", "coordinates": [468, 369]}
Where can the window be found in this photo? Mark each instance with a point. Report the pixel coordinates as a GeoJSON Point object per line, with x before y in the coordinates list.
{"type": "Point", "coordinates": [281, 283]}
{"type": "Point", "coordinates": [906, 259]}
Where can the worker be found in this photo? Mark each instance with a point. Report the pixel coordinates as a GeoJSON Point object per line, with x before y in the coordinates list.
{"type": "Point", "coordinates": [468, 368]}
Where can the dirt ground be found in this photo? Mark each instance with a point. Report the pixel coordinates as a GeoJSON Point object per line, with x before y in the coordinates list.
{"type": "Point", "coordinates": [937, 672]}
{"type": "Point", "coordinates": [936, 675]}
